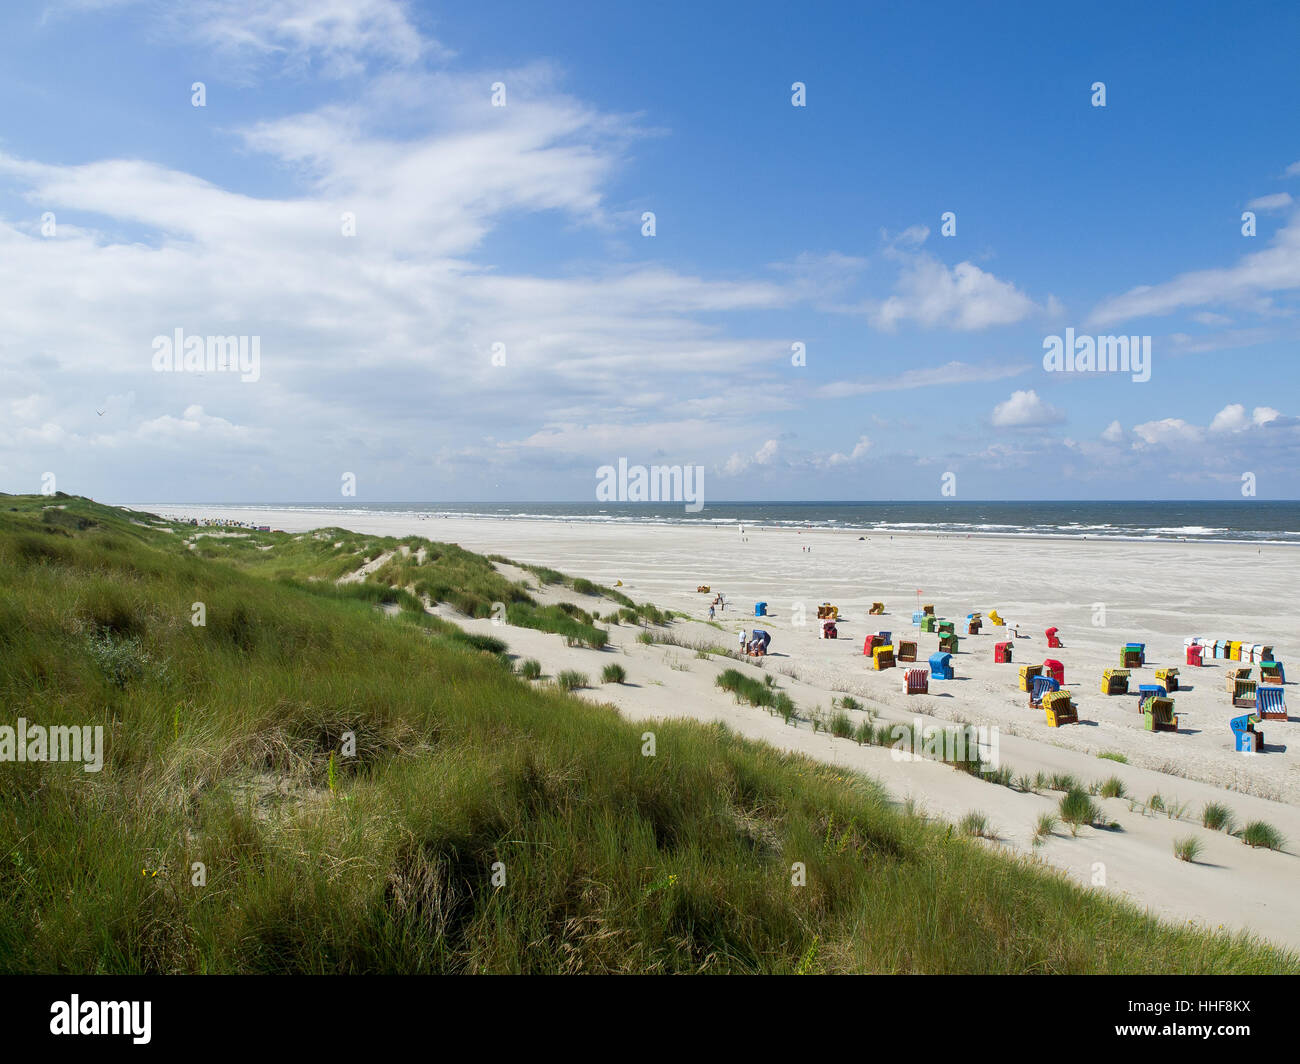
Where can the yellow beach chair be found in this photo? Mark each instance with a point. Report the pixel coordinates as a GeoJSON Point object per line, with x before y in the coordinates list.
{"type": "Point", "coordinates": [1027, 674]}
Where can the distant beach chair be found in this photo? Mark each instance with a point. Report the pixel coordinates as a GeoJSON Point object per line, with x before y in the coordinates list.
{"type": "Point", "coordinates": [941, 666]}
{"type": "Point", "coordinates": [1131, 657]}
{"type": "Point", "coordinates": [946, 628]}
{"type": "Point", "coordinates": [1060, 709]}
{"type": "Point", "coordinates": [973, 624]}
{"type": "Point", "coordinates": [882, 658]}
{"type": "Point", "coordinates": [917, 617]}
{"type": "Point", "coordinates": [1271, 672]}
{"type": "Point", "coordinates": [1220, 648]}
{"type": "Point", "coordinates": [928, 607]}
{"type": "Point", "coordinates": [1052, 641]}
{"type": "Point", "coordinates": [1042, 685]}
{"type": "Point", "coordinates": [995, 620]}
{"type": "Point", "coordinates": [869, 643]}
{"type": "Point", "coordinates": [1270, 702]}
{"type": "Point", "coordinates": [948, 643]}
{"type": "Point", "coordinates": [906, 650]}
{"type": "Point", "coordinates": [1052, 667]}
{"type": "Point", "coordinates": [1149, 690]}
{"type": "Point", "coordinates": [1158, 715]}
{"type": "Point", "coordinates": [918, 682]}
{"type": "Point", "coordinates": [1194, 655]}
{"type": "Point", "coordinates": [829, 630]}
{"type": "Point", "coordinates": [1248, 738]}
{"type": "Point", "coordinates": [760, 609]}
{"type": "Point", "coordinates": [1168, 677]}
{"type": "Point", "coordinates": [1233, 675]}
{"type": "Point", "coordinates": [702, 589]}
{"type": "Point", "coordinates": [1114, 682]}
{"type": "Point", "coordinates": [927, 623]}
{"type": "Point", "coordinates": [1002, 652]}
{"type": "Point", "coordinates": [827, 610]}
{"type": "Point", "coordinates": [1027, 674]}
{"type": "Point", "coordinates": [876, 607]}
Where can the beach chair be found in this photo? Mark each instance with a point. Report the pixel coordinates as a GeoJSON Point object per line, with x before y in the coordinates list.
{"type": "Point", "coordinates": [928, 607]}
{"type": "Point", "coordinates": [1194, 654]}
{"type": "Point", "coordinates": [1052, 641]}
{"type": "Point", "coordinates": [1243, 694]}
{"type": "Point", "coordinates": [828, 630]}
{"type": "Point", "coordinates": [1233, 675]}
{"type": "Point", "coordinates": [1150, 690]}
{"type": "Point", "coordinates": [917, 617]}
{"type": "Point", "coordinates": [1130, 657]}
{"type": "Point", "coordinates": [948, 643]}
{"type": "Point", "coordinates": [1052, 667]}
{"type": "Point", "coordinates": [1270, 702]}
{"type": "Point", "coordinates": [918, 682]}
{"type": "Point", "coordinates": [1158, 715]}
{"type": "Point", "coordinates": [941, 666]}
{"type": "Point", "coordinates": [1042, 685]}
{"type": "Point", "coordinates": [1271, 672]}
{"type": "Point", "coordinates": [760, 609]}
{"type": "Point", "coordinates": [927, 623]}
{"type": "Point", "coordinates": [995, 620]}
{"type": "Point", "coordinates": [870, 643]}
{"type": "Point", "coordinates": [1265, 652]}
{"type": "Point", "coordinates": [704, 589]}
{"type": "Point", "coordinates": [882, 658]}
{"type": "Point", "coordinates": [973, 625]}
{"type": "Point", "coordinates": [1168, 677]}
{"type": "Point", "coordinates": [1234, 650]}
{"type": "Point", "coordinates": [877, 607]}
{"type": "Point", "coordinates": [946, 628]}
{"type": "Point", "coordinates": [1220, 648]}
{"type": "Point", "coordinates": [1247, 737]}
{"type": "Point", "coordinates": [887, 637]}
{"type": "Point", "coordinates": [906, 650]}
{"type": "Point", "coordinates": [1027, 674]}
{"type": "Point", "coordinates": [1060, 709]}
{"type": "Point", "coordinates": [1002, 652]}
{"type": "Point", "coordinates": [1114, 682]}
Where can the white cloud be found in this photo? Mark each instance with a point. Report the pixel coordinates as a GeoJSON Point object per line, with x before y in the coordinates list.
{"type": "Point", "coordinates": [964, 298]}
{"type": "Point", "coordinates": [948, 374]}
{"type": "Point", "coordinates": [860, 450]}
{"type": "Point", "coordinates": [1024, 409]}
{"type": "Point", "coordinates": [1113, 433]}
{"type": "Point", "coordinates": [1275, 201]}
{"type": "Point", "coordinates": [1167, 432]}
{"type": "Point", "coordinates": [1232, 418]}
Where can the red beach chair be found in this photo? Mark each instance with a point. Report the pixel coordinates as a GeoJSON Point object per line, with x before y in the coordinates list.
{"type": "Point", "coordinates": [1052, 641]}
{"type": "Point", "coordinates": [918, 682]}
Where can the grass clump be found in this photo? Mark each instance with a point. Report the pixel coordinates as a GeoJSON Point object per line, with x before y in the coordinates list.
{"type": "Point", "coordinates": [531, 669]}
{"type": "Point", "coordinates": [1044, 828]}
{"type": "Point", "coordinates": [613, 673]}
{"type": "Point", "coordinates": [1110, 755]}
{"type": "Point", "coordinates": [1217, 817]}
{"type": "Point", "coordinates": [1113, 788]}
{"type": "Point", "coordinates": [976, 824]}
{"type": "Point", "coordinates": [571, 680]}
{"type": "Point", "coordinates": [1188, 849]}
{"type": "Point", "coordinates": [1260, 835]}
{"type": "Point", "coordinates": [1078, 809]}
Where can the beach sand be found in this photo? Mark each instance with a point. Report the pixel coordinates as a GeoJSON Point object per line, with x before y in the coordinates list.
{"type": "Point", "coordinates": [1099, 593]}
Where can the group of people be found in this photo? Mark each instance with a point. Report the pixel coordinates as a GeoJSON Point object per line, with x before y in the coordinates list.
{"type": "Point", "coordinates": [719, 602]}
{"type": "Point", "coordinates": [755, 643]}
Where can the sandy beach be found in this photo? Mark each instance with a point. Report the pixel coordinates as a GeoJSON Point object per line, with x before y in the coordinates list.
{"type": "Point", "coordinates": [1099, 593]}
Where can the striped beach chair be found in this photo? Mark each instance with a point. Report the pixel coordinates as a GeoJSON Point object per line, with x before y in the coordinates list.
{"type": "Point", "coordinates": [1060, 709]}
{"type": "Point", "coordinates": [1168, 677]}
{"type": "Point", "coordinates": [918, 681]}
{"type": "Point", "coordinates": [1270, 702]}
{"type": "Point", "coordinates": [1271, 672]}
{"type": "Point", "coordinates": [1114, 682]}
{"type": "Point", "coordinates": [1043, 685]}
{"type": "Point", "coordinates": [1244, 694]}
{"type": "Point", "coordinates": [1158, 715]}
{"type": "Point", "coordinates": [1027, 674]}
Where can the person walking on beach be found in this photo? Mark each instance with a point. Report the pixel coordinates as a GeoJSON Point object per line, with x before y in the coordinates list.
{"type": "Point", "coordinates": [710, 613]}
{"type": "Point", "coordinates": [743, 640]}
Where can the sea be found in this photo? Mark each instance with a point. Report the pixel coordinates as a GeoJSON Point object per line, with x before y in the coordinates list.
{"type": "Point", "coordinates": [1245, 520]}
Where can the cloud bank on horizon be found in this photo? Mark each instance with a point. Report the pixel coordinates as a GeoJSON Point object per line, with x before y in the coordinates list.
{"type": "Point", "coordinates": [481, 254]}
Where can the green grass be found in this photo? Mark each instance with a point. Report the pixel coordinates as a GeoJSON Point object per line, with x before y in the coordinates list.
{"type": "Point", "coordinates": [1217, 817]}
{"type": "Point", "coordinates": [1112, 756]}
{"type": "Point", "coordinates": [1261, 835]}
{"type": "Point", "coordinates": [224, 747]}
{"type": "Point", "coordinates": [1113, 788]}
{"type": "Point", "coordinates": [1188, 849]}
{"type": "Point", "coordinates": [531, 669]}
{"type": "Point", "coordinates": [1078, 810]}
{"type": "Point", "coordinates": [571, 680]}
{"type": "Point", "coordinates": [613, 673]}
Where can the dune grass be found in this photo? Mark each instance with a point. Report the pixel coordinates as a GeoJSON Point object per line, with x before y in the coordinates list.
{"type": "Point", "coordinates": [226, 757]}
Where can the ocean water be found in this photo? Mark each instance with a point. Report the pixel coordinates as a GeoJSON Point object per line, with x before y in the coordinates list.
{"type": "Point", "coordinates": [1247, 520]}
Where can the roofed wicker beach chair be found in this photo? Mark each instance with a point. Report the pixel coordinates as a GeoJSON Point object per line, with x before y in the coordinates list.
{"type": "Point", "coordinates": [1243, 694]}
{"type": "Point", "coordinates": [1233, 675]}
{"type": "Point", "coordinates": [1052, 667]}
{"type": "Point", "coordinates": [1114, 682]}
{"type": "Point", "coordinates": [1131, 657]}
{"type": "Point", "coordinates": [882, 658]}
{"type": "Point", "coordinates": [877, 607]}
{"type": "Point", "coordinates": [1027, 674]}
{"type": "Point", "coordinates": [1194, 651]}
{"type": "Point", "coordinates": [928, 607]}
{"type": "Point", "coordinates": [946, 628]}
{"type": "Point", "coordinates": [918, 681]}
{"type": "Point", "coordinates": [1060, 709]}
{"type": "Point", "coordinates": [703, 588]}
{"type": "Point", "coordinates": [1042, 685]}
{"type": "Point", "coordinates": [869, 643]}
{"type": "Point", "coordinates": [917, 617]}
{"type": "Point", "coordinates": [928, 622]}
{"type": "Point", "coordinates": [906, 650]}
{"type": "Point", "coordinates": [1271, 672]}
{"type": "Point", "coordinates": [941, 666]}
{"type": "Point", "coordinates": [1270, 701]}
{"type": "Point", "coordinates": [995, 620]}
{"type": "Point", "coordinates": [1002, 652]}
{"type": "Point", "coordinates": [1158, 715]}
{"type": "Point", "coordinates": [1168, 677]}
{"type": "Point", "coordinates": [1248, 739]}
{"type": "Point", "coordinates": [1150, 690]}
{"type": "Point", "coordinates": [1053, 641]}
{"type": "Point", "coordinates": [948, 643]}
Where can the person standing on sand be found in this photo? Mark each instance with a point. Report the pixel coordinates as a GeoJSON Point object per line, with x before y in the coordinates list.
{"type": "Point", "coordinates": [743, 633]}
{"type": "Point", "coordinates": [710, 613]}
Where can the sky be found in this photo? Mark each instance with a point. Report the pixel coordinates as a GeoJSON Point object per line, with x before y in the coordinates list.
{"type": "Point", "coordinates": [429, 221]}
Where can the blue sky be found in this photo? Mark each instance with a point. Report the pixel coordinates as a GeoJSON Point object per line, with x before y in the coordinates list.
{"type": "Point", "coordinates": [521, 225]}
